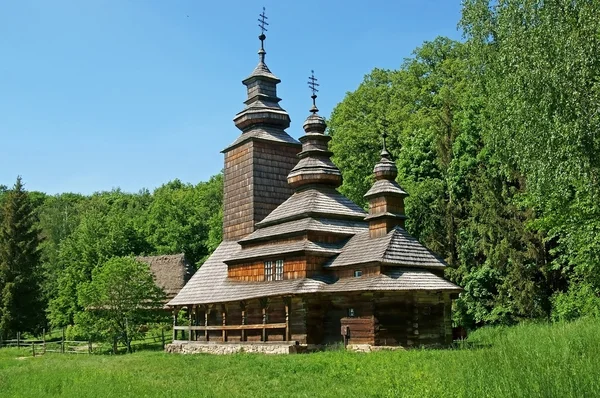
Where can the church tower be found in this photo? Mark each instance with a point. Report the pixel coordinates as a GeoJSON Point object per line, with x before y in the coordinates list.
{"type": "Point", "coordinates": [258, 162]}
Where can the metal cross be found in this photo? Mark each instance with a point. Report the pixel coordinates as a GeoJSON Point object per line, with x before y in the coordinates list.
{"type": "Point", "coordinates": [262, 23]}
{"type": "Point", "coordinates": [312, 84]}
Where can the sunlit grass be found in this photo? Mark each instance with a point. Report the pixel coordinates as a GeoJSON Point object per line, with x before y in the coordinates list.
{"type": "Point", "coordinates": [561, 360]}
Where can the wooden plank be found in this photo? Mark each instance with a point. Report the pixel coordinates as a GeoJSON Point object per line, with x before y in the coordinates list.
{"type": "Point", "coordinates": [234, 327]}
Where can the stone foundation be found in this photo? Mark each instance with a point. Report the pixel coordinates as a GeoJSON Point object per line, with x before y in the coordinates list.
{"type": "Point", "coordinates": [185, 347]}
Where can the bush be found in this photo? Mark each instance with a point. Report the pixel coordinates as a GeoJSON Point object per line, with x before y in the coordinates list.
{"type": "Point", "coordinates": [580, 300]}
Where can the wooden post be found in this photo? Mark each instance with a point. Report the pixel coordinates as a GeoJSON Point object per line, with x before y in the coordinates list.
{"type": "Point", "coordinates": [18, 339]}
{"type": "Point", "coordinates": [288, 304]}
{"type": "Point", "coordinates": [264, 304]}
{"type": "Point", "coordinates": [162, 332]}
{"type": "Point", "coordinates": [195, 307]}
{"type": "Point", "coordinates": [44, 339]}
{"type": "Point", "coordinates": [243, 307]}
{"type": "Point", "coordinates": [89, 346]}
{"type": "Point", "coordinates": [190, 323]}
{"type": "Point", "coordinates": [174, 323]}
{"type": "Point", "coordinates": [33, 348]}
{"type": "Point", "coordinates": [62, 341]}
{"type": "Point", "coordinates": [206, 322]}
{"type": "Point", "coordinates": [415, 319]}
{"type": "Point", "coordinates": [224, 316]}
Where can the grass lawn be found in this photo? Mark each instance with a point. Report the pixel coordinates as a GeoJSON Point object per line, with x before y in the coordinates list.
{"type": "Point", "coordinates": [561, 360]}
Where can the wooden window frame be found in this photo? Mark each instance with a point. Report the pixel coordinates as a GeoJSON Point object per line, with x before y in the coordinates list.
{"type": "Point", "coordinates": [358, 273]}
{"type": "Point", "coordinates": [278, 270]}
{"type": "Point", "coordinates": [274, 270]}
{"type": "Point", "coordinates": [268, 271]}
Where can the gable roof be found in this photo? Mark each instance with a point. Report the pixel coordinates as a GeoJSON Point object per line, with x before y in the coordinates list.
{"type": "Point", "coordinates": [395, 248]}
{"type": "Point", "coordinates": [171, 272]}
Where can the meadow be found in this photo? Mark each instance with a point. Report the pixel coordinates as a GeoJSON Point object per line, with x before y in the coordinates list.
{"type": "Point", "coordinates": [531, 360]}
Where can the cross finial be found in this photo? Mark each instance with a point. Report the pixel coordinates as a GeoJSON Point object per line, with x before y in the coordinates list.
{"type": "Point", "coordinates": [312, 84]}
{"type": "Point", "coordinates": [384, 152]}
{"type": "Point", "coordinates": [262, 24]}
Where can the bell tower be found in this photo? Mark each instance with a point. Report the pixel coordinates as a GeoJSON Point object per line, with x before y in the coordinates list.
{"type": "Point", "coordinates": [258, 161]}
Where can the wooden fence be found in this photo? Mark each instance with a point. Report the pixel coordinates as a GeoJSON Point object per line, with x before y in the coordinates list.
{"type": "Point", "coordinates": [64, 346]}
{"type": "Point", "coordinates": [40, 347]}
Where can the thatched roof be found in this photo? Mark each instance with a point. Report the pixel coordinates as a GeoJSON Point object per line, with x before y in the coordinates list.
{"type": "Point", "coordinates": [171, 272]}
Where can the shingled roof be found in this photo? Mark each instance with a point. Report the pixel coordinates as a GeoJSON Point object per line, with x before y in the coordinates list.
{"type": "Point", "coordinates": [171, 272]}
{"type": "Point", "coordinates": [211, 285]}
{"type": "Point", "coordinates": [395, 248]}
{"type": "Point", "coordinates": [324, 201]}
{"type": "Point", "coordinates": [307, 224]}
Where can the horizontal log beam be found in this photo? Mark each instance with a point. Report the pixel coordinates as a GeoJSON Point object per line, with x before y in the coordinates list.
{"type": "Point", "coordinates": [233, 327]}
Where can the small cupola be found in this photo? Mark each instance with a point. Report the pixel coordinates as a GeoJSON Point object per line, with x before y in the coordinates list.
{"type": "Point", "coordinates": [315, 165]}
{"type": "Point", "coordinates": [386, 197]}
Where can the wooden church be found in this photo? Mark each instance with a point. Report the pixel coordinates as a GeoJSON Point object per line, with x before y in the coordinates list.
{"type": "Point", "coordinates": [301, 263]}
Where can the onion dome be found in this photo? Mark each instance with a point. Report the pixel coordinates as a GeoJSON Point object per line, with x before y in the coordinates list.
{"type": "Point", "coordinates": [386, 197]}
{"type": "Point", "coordinates": [315, 165]}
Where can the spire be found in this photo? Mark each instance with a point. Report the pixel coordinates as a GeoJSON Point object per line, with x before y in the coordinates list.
{"type": "Point", "coordinates": [315, 165]}
{"type": "Point", "coordinates": [262, 24]}
{"type": "Point", "coordinates": [386, 197]}
{"type": "Point", "coordinates": [262, 104]}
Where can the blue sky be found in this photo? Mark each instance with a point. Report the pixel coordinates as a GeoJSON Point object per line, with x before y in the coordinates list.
{"type": "Point", "coordinates": [100, 94]}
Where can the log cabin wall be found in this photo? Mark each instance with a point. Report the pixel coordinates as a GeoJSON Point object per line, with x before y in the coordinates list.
{"type": "Point", "coordinates": [422, 318]}
{"type": "Point", "coordinates": [394, 318]}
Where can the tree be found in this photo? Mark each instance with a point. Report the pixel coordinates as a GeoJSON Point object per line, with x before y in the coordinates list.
{"type": "Point", "coordinates": [110, 225]}
{"type": "Point", "coordinates": [538, 63]}
{"type": "Point", "coordinates": [21, 306]}
{"type": "Point", "coordinates": [464, 201]}
{"type": "Point", "coordinates": [187, 218]}
{"type": "Point", "coordinates": [121, 297]}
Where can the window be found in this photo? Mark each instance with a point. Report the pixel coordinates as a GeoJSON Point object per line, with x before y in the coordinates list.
{"type": "Point", "coordinates": [357, 273]}
{"type": "Point", "coordinates": [274, 270]}
{"type": "Point", "coordinates": [351, 312]}
{"type": "Point", "coordinates": [268, 270]}
{"type": "Point", "coordinates": [279, 270]}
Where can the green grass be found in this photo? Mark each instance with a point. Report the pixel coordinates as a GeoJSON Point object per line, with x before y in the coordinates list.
{"type": "Point", "coordinates": [561, 360]}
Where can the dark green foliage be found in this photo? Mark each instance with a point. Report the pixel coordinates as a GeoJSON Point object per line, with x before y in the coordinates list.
{"type": "Point", "coordinates": [120, 298]}
{"type": "Point", "coordinates": [85, 232]}
{"type": "Point", "coordinates": [21, 306]}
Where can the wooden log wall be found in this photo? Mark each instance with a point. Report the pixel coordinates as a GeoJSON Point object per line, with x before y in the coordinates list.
{"type": "Point", "coordinates": [362, 329]}
{"type": "Point", "coordinates": [382, 318]}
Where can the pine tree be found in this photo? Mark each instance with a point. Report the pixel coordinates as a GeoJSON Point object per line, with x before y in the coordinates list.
{"type": "Point", "coordinates": [21, 306]}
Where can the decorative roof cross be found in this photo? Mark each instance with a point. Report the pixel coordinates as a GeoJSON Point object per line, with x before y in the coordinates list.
{"type": "Point", "coordinates": [384, 152]}
{"type": "Point", "coordinates": [262, 24]}
{"type": "Point", "coordinates": [312, 84]}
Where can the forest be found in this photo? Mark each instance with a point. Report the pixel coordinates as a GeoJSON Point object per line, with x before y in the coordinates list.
{"type": "Point", "coordinates": [497, 141]}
